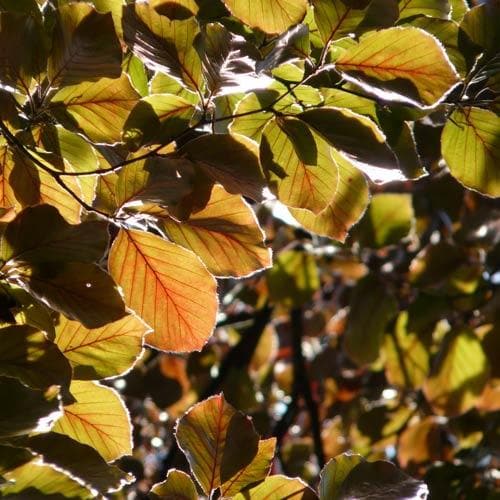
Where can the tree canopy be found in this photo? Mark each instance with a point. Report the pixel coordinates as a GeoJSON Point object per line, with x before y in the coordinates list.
{"type": "Point", "coordinates": [249, 249]}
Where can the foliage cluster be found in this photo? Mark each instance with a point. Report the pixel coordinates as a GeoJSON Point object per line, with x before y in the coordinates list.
{"type": "Point", "coordinates": [193, 223]}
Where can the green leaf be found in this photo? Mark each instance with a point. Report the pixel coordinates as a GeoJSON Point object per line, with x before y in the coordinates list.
{"type": "Point", "coordinates": [26, 354]}
{"type": "Point", "coordinates": [84, 46]}
{"type": "Point", "coordinates": [98, 109]}
{"type": "Point", "coordinates": [225, 235]}
{"type": "Point", "coordinates": [165, 84]}
{"type": "Point", "coordinates": [459, 376]}
{"type": "Point", "coordinates": [429, 8]}
{"type": "Point", "coordinates": [157, 119]}
{"type": "Point", "coordinates": [28, 410]}
{"type": "Point", "coordinates": [177, 486]}
{"type": "Point", "coordinates": [294, 278]}
{"type": "Point", "coordinates": [255, 471]}
{"type": "Point", "coordinates": [481, 25]}
{"type": "Point", "coordinates": [349, 200]}
{"type": "Point", "coordinates": [372, 306]}
{"type": "Point", "coordinates": [162, 44]}
{"type": "Point", "coordinates": [229, 441]}
{"type": "Point", "coordinates": [298, 164]}
{"type": "Point", "coordinates": [334, 473]}
{"type": "Point", "coordinates": [39, 234]}
{"type": "Point", "coordinates": [470, 145]}
{"type": "Point", "coordinates": [355, 135]}
{"type": "Point", "coordinates": [80, 290]}
{"type": "Point", "coordinates": [231, 160]}
{"type": "Point", "coordinates": [168, 286]}
{"type": "Point", "coordinates": [407, 62]}
{"type": "Point", "coordinates": [267, 15]}
{"type": "Point", "coordinates": [389, 219]}
{"type": "Point", "coordinates": [98, 418]}
{"type": "Point", "coordinates": [277, 488]}
{"type": "Point", "coordinates": [136, 70]}
{"type": "Point", "coordinates": [103, 352]}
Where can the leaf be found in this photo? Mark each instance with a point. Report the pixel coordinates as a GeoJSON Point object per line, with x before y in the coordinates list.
{"type": "Point", "coordinates": [168, 287]}
{"type": "Point", "coordinates": [28, 410]}
{"type": "Point", "coordinates": [231, 160]}
{"type": "Point", "coordinates": [459, 376]}
{"type": "Point", "coordinates": [355, 135]}
{"type": "Point", "coordinates": [225, 235]}
{"type": "Point", "coordinates": [157, 119]}
{"type": "Point", "coordinates": [268, 15]}
{"type": "Point", "coordinates": [98, 419]}
{"type": "Point", "coordinates": [372, 306]}
{"type": "Point", "coordinates": [177, 486]}
{"type": "Point", "coordinates": [97, 109]}
{"type": "Point", "coordinates": [334, 474]}
{"type": "Point", "coordinates": [254, 472]}
{"type": "Point", "coordinates": [84, 46]}
{"type": "Point", "coordinates": [470, 145]}
{"type": "Point", "coordinates": [380, 480]}
{"type": "Point", "coordinates": [349, 200]}
{"type": "Point", "coordinates": [26, 354]}
{"type": "Point", "coordinates": [136, 70]}
{"type": "Point", "coordinates": [103, 352]}
{"type": "Point", "coordinates": [407, 62]}
{"type": "Point", "coordinates": [79, 290]}
{"type": "Point", "coordinates": [277, 488]}
{"type": "Point", "coordinates": [37, 479]}
{"type": "Point", "coordinates": [294, 278]}
{"type": "Point", "coordinates": [162, 44]}
{"type": "Point", "coordinates": [430, 8]}
{"type": "Point", "coordinates": [80, 460]}
{"type": "Point", "coordinates": [218, 441]}
{"type": "Point", "coordinates": [298, 164]}
{"type": "Point", "coordinates": [39, 234]}
{"type": "Point", "coordinates": [480, 24]}
{"type": "Point", "coordinates": [389, 219]}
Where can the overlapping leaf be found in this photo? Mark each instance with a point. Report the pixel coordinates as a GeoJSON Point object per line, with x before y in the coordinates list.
{"type": "Point", "coordinates": [218, 441]}
{"type": "Point", "coordinates": [429, 8]}
{"type": "Point", "coordinates": [225, 235]}
{"type": "Point", "coordinates": [98, 418]}
{"type": "Point", "coordinates": [277, 488]}
{"type": "Point", "coordinates": [404, 62]}
{"type": "Point", "coordinates": [178, 486]}
{"type": "Point", "coordinates": [101, 352]}
{"type": "Point", "coordinates": [334, 473]}
{"type": "Point", "coordinates": [168, 287]}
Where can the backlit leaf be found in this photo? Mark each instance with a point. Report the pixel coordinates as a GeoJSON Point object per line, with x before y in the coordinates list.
{"type": "Point", "coordinates": [28, 355]}
{"type": "Point", "coordinates": [334, 473]}
{"type": "Point", "coordinates": [277, 488]}
{"type": "Point", "coordinates": [98, 418]}
{"type": "Point", "coordinates": [84, 47]}
{"type": "Point", "coordinates": [268, 15]}
{"type": "Point", "coordinates": [298, 163]}
{"type": "Point", "coordinates": [225, 235]}
{"type": "Point", "coordinates": [480, 24]}
{"type": "Point", "coordinates": [430, 8]}
{"type": "Point", "coordinates": [460, 375]}
{"type": "Point", "coordinates": [101, 352]}
{"type": "Point", "coordinates": [471, 147]}
{"type": "Point", "coordinates": [407, 62]}
{"type": "Point", "coordinates": [98, 109]}
{"type": "Point", "coordinates": [177, 486]}
{"type": "Point", "coordinates": [168, 287]}
{"type": "Point", "coordinates": [218, 441]}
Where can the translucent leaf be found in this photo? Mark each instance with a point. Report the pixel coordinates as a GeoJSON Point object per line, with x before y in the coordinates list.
{"type": "Point", "coordinates": [268, 15]}
{"type": "Point", "coordinates": [218, 441]}
{"type": "Point", "coordinates": [430, 8]}
{"type": "Point", "coordinates": [481, 25]}
{"type": "Point", "coordinates": [177, 486]}
{"type": "Point", "coordinates": [136, 70]}
{"type": "Point", "coordinates": [98, 418]}
{"type": "Point", "coordinates": [350, 197]}
{"type": "Point", "coordinates": [470, 146]}
{"type": "Point", "coordinates": [277, 488]}
{"type": "Point", "coordinates": [103, 352]}
{"type": "Point", "coordinates": [405, 63]}
{"type": "Point", "coordinates": [84, 46]}
{"type": "Point", "coordinates": [162, 44]}
{"type": "Point", "coordinates": [298, 164]}
{"type": "Point", "coordinates": [225, 235]}
{"type": "Point", "coordinates": [168, 287]}
{"type": "Point", "coordinates": [459, 376]}
{"type": "Point", "coordinates": [97, 109]}
{"type": "Point", "coordinates": [27, 355]}
{"type": "Point", "coordinates": [334, 473]}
